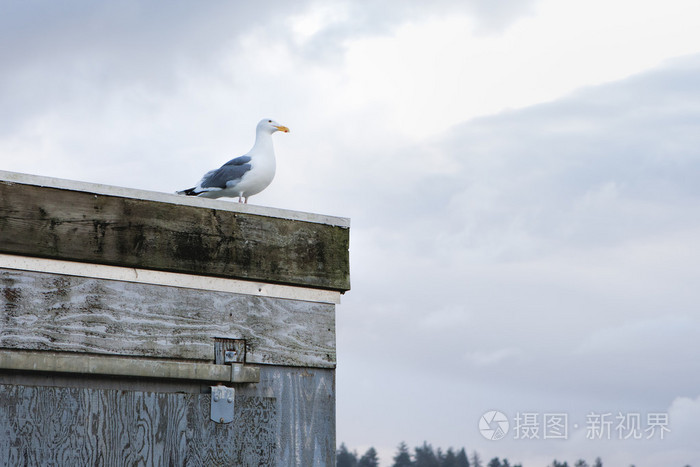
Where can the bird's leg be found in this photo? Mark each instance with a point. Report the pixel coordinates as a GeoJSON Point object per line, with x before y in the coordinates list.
{"type": "Point", "coordinates": [240, 199]}
{"type": "Point", "coordinates": [246, 200]}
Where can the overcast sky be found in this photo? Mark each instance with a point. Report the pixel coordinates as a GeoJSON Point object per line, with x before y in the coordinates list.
{"type": "Point", "coordinates": [523, 179]}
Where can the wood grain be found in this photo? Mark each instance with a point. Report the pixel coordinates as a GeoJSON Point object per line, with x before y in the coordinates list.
{"type": "Point", "coordinates": [70, 426]}
{"type": "Point", "coordinates": [42, 311]}
{"type": "Point", "coordinates": [287, 419]}
{"type": "Point", "coordinates": [88, 227]}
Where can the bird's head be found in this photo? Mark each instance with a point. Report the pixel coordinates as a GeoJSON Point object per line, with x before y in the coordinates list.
{"type": "Point", "coordinates": [270, 126]}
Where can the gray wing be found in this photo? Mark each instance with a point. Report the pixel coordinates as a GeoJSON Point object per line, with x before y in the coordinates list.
{"type": "Point", "coordinates": [229, 172]}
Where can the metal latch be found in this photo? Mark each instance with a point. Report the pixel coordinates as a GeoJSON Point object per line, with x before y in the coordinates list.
{"type": "Point", "coordinates": [233, 352]}
{"type": "Point", "coordinates": [222, 404]}
{"type": "Point", "coordinates": [229, 350]}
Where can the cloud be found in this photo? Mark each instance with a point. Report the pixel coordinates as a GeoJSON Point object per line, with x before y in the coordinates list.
{"type": "Point", "coordinates": [556, 256]}
{"type": "Point", "coordinates": [480, 359]}
{"type": "Point", "coordinates": [608, 158]}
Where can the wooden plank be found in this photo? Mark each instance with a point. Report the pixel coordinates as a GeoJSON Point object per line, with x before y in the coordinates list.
{"type": "Point", "coordinates": [286, 419]}
{"type": "Point", "coordinates": [76, 314]}
{"type": "Point", "coordinates": [71, 426]}
{"type": "Point", "coordinates": [306, 414]}
{"type": "Point", "coordinates": [88, 227]}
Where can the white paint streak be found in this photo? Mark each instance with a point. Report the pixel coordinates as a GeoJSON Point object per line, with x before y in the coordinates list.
{"type": "Point", "coordinates": [145, 276]}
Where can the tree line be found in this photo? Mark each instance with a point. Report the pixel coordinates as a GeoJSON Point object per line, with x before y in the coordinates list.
{"type": "Point", "coordinates": [422, 456]}
{"type": "Point", "coordinates": [427, 456]}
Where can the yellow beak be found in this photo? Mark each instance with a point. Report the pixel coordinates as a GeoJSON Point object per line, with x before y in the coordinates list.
{"type": "Point", "coordinates": [283, 128]}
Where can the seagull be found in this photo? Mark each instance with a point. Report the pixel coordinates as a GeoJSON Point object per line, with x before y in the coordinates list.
{"type": "Point", "coordinates": [245, 175]}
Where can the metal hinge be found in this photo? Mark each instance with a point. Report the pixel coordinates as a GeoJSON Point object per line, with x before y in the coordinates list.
{"type": "Point", "coordinates": [222, 404]}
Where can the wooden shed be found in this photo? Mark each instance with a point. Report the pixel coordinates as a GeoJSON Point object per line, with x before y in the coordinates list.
{"type": "Point", "coordinates": [142, 328]}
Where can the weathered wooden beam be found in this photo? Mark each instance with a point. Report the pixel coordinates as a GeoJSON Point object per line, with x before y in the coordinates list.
{"type": "Point", "coordinates": [97, 316]}
{"type": "Point", "coordinates": [89, 226]}
{"type": "Point", "coordinates": [65, 362]}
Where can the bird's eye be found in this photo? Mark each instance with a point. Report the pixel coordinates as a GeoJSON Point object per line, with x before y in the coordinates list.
{"type": "Point", "coordinates": [269, 121]}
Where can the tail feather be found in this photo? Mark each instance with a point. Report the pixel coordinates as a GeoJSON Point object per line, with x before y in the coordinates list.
{"type": "Point", "coordinates": [188, 192]}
